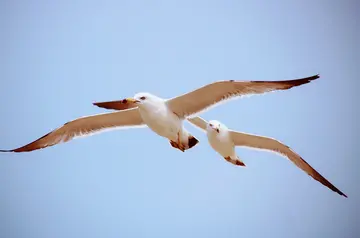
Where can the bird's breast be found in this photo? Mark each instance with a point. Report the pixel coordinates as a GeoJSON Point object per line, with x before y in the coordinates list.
{"type": "Point", "coordinates": [220, 142]}
{"type": "Point", "coordinates": [161, 120]}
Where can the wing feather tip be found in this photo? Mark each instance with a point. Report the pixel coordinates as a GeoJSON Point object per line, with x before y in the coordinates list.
{"type": "Point", "coordinates": [99, 103]}
{"type": "Point", "coordinates": [341, 193]}
{"type": "Point", "coordinates": [21, 149]}
{"type": "Point", "coordinates": [298, 82]}
{"type": "Point", "coordinates": [316, 76]}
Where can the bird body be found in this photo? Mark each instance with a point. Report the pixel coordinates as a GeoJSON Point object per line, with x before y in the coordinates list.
{"type": "Point", "coordinates": [161, 120]}
{"type": "Point", "coordinates": [220, 141]}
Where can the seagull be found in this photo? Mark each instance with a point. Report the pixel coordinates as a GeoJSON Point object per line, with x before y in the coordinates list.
{"type": "Point", "coordinates": [163, 116]}
{"type": "Point", "coordinates": [223, 140]}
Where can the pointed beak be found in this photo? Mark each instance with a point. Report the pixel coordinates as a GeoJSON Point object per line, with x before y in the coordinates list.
{"type": "Point", "coordinates": [130, 100]}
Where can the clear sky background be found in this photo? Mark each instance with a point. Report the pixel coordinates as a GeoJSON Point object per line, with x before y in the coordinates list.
{"type": "Point", "coordinates": [57, 57]}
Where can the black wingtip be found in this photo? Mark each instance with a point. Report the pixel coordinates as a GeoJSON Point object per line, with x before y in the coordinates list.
{"type": "Point", "coordinates": [301, 81]}
{"type": "Point", "coordinates": [314, 77]}
{"type": "Point", "coordinates": [97, 104]}
{"type": "Point", "coordinates": [311, 78]}
{"type": "Point", "coordinates": [342, 194]}
{"type": "Point", "coordinates": [6, 150]}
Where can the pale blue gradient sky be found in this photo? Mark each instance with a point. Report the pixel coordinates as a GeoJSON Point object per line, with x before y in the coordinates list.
{"type": "Point", "coordinates": [57, 57]}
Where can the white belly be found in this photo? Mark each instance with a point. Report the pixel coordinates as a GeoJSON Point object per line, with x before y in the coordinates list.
{"type": "Point", "coordinates": [221, 143]}
{"type": "Point", "coordinates": [162, 121]}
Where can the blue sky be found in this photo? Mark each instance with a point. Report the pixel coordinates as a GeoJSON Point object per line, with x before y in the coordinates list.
{"type": "Point", "coordinates": [57, 57]}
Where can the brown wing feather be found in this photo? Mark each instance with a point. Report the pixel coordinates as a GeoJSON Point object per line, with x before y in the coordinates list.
{"type": "Point", "coordinates": [115, 105]}
{"type": "Point", "coordinates": [266, 143]}
{"type": "Point", "coordinates": [211, 94]}
{"type": "Point", "coordinates": [83, 126]}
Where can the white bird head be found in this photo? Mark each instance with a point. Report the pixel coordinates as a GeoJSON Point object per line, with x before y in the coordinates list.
{"type": "Point", "coordinates": [142, 99]}
{"type": "Point", "coordinates": [215, 125]}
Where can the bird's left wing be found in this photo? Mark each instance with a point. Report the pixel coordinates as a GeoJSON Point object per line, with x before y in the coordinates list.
{"type": "Point", "coordinates": [265, 143]}
{"type": "Point", "coordinates": [211, 94]}
{"type": "Point", "coordinates": [115, 105]}
{"type": "Point", "coordinates": [84, 126]}
{"type": "Point", "coordinates": [199, 122]}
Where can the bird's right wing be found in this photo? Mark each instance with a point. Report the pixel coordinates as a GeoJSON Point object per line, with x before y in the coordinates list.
{"type": "Point", "coordinates": [212, 94]}
{"type": "Point", "coordinates": [265, 143]}
{"type": "Point", "coordinates": [199, 122]}
{"type": "Point", "coordinates": [84, 126]}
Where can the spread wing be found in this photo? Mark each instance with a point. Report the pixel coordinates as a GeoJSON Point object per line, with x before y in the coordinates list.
{"type": "Point", "coordinates": [84, 126]}
{"type": "Point", "coordinates": [211, 94]}
{"type": "Point", "coordinates": [115, 105]}
{"type": "Point", "coordinates": [265, 143]}
{"type": "Point", "coordinates": [199, 122]}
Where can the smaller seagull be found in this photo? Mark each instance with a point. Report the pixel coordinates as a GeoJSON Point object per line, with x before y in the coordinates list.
{"type": "Point", "coordinates": [224, 140]}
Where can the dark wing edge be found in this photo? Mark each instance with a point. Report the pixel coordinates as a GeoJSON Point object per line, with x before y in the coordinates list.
{"type": "Point", "coordinates": [293, 82]}
{"type": "Point", "coordinates": [286, 151]}
{"type": "Point", "coordinates": [234, 90]}
{"type": "Point", "coordinates": [33, 145]}
{"type": "Point", "coordinates": [84, 126]}
{"type": "Point", "coordinates": [314, 173]}
{"type": "Point", "coordinates": [115, 105]}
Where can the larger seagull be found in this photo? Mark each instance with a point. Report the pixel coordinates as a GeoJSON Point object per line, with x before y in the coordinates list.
{"type": "Point", "coordinates": [163, 116]}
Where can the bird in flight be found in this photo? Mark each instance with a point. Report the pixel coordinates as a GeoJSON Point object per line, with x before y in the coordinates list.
{"type": "Point", "coordinates": [163, 116]}
{"type": "Point", "coordinates": [224, 140]}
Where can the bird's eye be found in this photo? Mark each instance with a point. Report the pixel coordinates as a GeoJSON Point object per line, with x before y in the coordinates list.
{"type": "Point", "coordinates": [142, 98]}
{"type": "Point", "coordinates": [210, 124]}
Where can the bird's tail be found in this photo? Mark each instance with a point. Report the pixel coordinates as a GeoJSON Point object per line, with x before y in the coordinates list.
{"type": "Point", "coordinates": [235, 160]}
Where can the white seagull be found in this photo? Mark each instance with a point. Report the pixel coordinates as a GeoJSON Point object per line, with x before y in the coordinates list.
{"type": "Point", "coordinates": [223, 141]}
{"type": "Point", "coordinates": [163, 116]}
